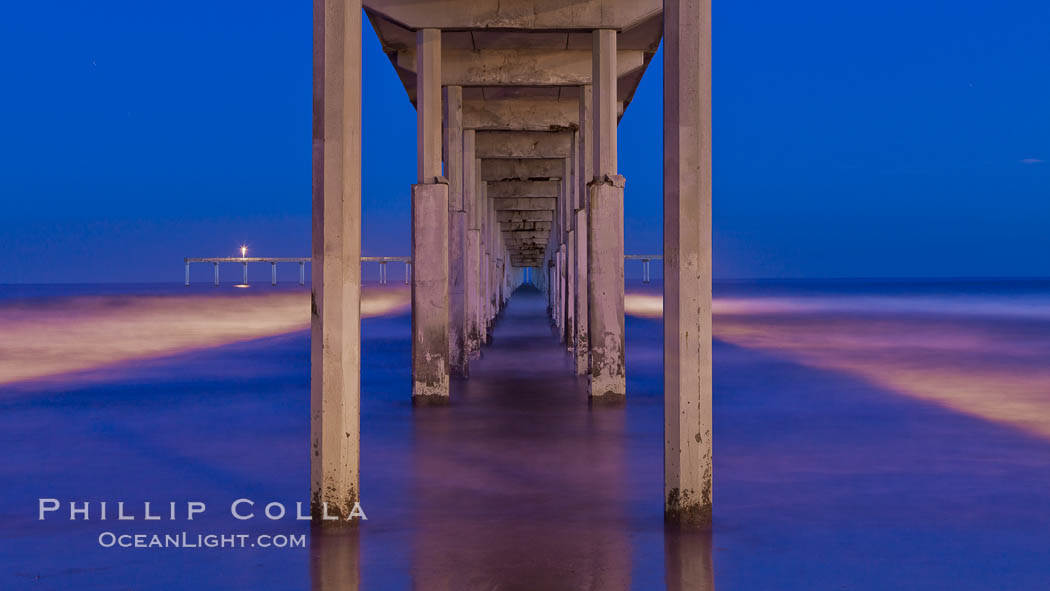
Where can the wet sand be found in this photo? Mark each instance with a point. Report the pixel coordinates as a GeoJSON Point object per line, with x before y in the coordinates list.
{"type": "Point", "coordinates": [824, 479]}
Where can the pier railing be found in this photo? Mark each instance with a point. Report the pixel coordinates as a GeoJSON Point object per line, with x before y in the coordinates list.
{"type": "Point", "coordinates": [215, 261]}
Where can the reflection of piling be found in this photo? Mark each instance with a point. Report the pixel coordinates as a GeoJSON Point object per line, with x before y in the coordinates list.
{"type": "Point", "coordinates": [335, 560]}
{"type": "Point", "coordinates": [687, 559]}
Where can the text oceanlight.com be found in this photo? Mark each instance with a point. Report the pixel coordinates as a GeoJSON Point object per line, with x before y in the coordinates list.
{"type": "Point", "coordinates": [188, 540]}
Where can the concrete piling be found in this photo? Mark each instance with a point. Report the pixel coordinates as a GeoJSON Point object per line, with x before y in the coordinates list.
{"type": "Point", "coordinates": [335, 338]}
{"type": "Point", "coordinates": [688, 465]}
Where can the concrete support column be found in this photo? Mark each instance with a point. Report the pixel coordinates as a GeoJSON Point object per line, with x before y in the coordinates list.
{"type": "Point", "coordinates": [430, 233]}
{"type": "Point", "coordinates": [567, 234]}
{"type": "Point", "coordinates": [608, 380]}
{"type": "Point", "coordinates": [457, 229]}
{"type": "Point", "coordinates": [472, 264]}
{"type": "Point", "coordinates": [486, 259]}
{"type": "Point", "coordinates": [215, 267]}
{"type": "Point", "coordinates": [687, 262]}
{"type": "Point", "coordinates": [584, 149]}
{"type": "Point", "coordinates": [582, 346]}
{"type": "Point", "coordinates": [302, 274]}
{"type": "Point", "coordinates": [604, 101]}
{"type": "Point", "coordinates": [430, 384]}
{"type": "Point", "coordinates": [335, 331]}
{"type": "Point", "coordinates": [187, 273]}
{"type": "Point", "coordinates": [494, 236]}
{"type": "Point", "coordinates": [428, 104]}
{"type": "Point", "coordinates": [273, 273]}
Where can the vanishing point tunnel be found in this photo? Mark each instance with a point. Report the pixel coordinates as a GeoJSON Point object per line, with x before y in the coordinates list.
{"type": "Point", "coordinates": [517, 104]}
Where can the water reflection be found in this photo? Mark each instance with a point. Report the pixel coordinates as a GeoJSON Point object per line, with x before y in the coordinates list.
{"type": "Point", "coordinates": [519, 484]}
{"type": "Point", "coordinates": [687, 556]}
{"type": "Point", "coordinates": [335, 559]}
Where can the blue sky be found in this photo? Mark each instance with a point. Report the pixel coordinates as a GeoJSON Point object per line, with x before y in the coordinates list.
{"type": "Point", "coordinates": [898, 139]}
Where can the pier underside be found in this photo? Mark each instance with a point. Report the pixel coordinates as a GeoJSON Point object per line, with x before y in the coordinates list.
{"type": "Point", "coordinates": [517, 104]}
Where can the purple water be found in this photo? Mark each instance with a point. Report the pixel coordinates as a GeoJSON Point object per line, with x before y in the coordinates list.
{"type": "Point", "coordinates": [868, 435]}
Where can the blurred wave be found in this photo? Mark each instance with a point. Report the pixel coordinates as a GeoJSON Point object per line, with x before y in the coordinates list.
{"type": "Point", "coordinates": [986, 354]}
{"type": "Point", "coordinates": [54, 335]}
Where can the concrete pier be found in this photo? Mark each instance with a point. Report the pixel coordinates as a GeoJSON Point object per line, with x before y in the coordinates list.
{"type": "Point", "coordinates": [608, 377]}
{"type": "Point", "coordinates": [335, 332]}
{"type": "Point", "coordinates": [472, 253]}
{"type": "Point", "coordinates": [457, 230]}
{"type": "Point", "coordinates": [517, 105]}
{"type": "Point", "coordinates": [605, 233]}
{"type": "Point", "coordinates": [430, 372]}
{"type": "Point", "coordinates": [430, 234]}
{"type": "Point", "coordinates": [688, 460]}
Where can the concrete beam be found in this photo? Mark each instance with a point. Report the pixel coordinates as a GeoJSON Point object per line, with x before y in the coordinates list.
{"type": "Point", "coordinates": [523, 144]}
{"type": "Point", "coordinates": [505, 169]}
{"type": "Point", "coordinates": [524, 216]}
{"type": "Point", "coordinates": [526, 204]}
{"type": "Point", "coordinates": [519, 236]}
{"type": "Point", "coordinates": [517, 226]}
{"type": "Point", "coordinates": [517, 14]}
{"type": "Point", "coordinates": [519, 67]}
{"type": "Point", "coordinates": [514, 189]}
{"type": "Point", "coordinates": [523, 114]}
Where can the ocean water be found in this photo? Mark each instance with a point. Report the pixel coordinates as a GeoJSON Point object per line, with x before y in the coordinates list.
{"type": "Point", "coordinates": [868, 435]}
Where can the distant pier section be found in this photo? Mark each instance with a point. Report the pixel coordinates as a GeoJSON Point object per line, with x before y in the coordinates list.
{"type": "Point", "coordinates": [645, 258]}
{"type": "Point", "coordinates": [215, 261]}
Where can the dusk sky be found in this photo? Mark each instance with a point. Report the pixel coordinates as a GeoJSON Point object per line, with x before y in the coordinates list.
{"type": "Point", "coordinates": [850, 139]}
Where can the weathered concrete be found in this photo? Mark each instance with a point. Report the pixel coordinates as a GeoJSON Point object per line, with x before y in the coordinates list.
{"type": "Point", "coordinates": [513, 189]}
{"type": "Point", "coordinates": [504, 216]}
{"type": "Point", "coordinates": [523, 144]}
{"type": "Point", "coordinates": [428, 105]}
{"type": "Point", "coordinates": [527, 204]}
{"type": "Point", "coordinates": [520, 114]}
{"type": "Point", "coordinates": [604, 100]}
{"type": "Point", "coordinates": [570, 290]}
{"type": "Point", "coordinates": [457, 229]}
{"type": "Point", "coordinates": [506, 169]}
{"type": "Point", "coordinates": [523, 226]}
{"type": "Point", "coordinates": [688, 466]}
{"type": "Point", "coordinates": [519, 67]}
{"type": "Point", "coordinates": [608, 380]}
{"type": "Point", "coordinates": [488, 249]}
{"type": "Point", "coordinates": [430, 356]}
{"type": "Point", "coordinates": [584, 149]}
{"type": "Point", "coordinates": [519, 14]}
{"type": "Point", "coordinates": [335, 327]}
{"type": "Point", "coordinates": [472, 280]}
{"type": "Point", "coordinates": [582, 346]}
